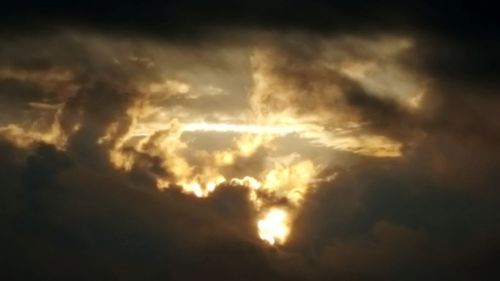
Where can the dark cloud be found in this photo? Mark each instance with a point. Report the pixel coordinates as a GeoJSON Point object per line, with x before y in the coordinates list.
{"type": "Point", "coordinates": [401, 221]}
{"type": "Point", "coordinates": [440, 18]}
{"type": "Point", "coordinates": [66, 220]}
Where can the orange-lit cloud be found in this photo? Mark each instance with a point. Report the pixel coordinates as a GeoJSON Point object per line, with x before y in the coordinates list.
{"type": "Point", "coordinates": [264, 94]}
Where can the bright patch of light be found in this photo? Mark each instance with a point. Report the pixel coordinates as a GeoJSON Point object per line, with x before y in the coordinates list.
{"type": "Point", "coordinates": [239, 128]}
{"type": "Point", "coordinates": [273, 227]}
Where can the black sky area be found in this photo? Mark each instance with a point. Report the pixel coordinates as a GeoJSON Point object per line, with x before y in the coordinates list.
{"type": "Point", "coordinates": [431, 214]}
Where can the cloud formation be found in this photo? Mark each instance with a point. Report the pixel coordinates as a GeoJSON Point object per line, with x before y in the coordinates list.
{"type": "Point", "coordinates": [271, 141]}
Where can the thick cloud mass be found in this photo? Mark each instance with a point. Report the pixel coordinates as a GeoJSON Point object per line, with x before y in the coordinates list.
{"type": "Point", "coordinates": [398, 103]}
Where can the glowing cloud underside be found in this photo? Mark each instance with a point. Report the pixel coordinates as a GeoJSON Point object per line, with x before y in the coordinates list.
{"type": "Point", "coordinates": [169, 115]}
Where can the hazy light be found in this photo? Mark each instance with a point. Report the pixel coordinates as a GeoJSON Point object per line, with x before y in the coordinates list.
{"type": "Point", "coordinates": [273, 227]}
{"type": "Point", "coordinates": [239, 128]}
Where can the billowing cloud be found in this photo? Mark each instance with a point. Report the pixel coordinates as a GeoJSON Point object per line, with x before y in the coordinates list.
{"type": "Point", "coordinates": [307, 143]}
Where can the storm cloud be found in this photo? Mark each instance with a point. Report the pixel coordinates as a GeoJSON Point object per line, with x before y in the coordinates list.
{"type": "Point", "coordinates": [152, 142]}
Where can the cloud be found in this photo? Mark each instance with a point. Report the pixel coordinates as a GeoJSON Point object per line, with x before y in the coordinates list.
{"type": "Point", "coordinates": [372, 127]}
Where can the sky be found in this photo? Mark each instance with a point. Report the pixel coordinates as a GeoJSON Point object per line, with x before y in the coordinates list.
{"type": "Point", "coordinates": [262, 140]}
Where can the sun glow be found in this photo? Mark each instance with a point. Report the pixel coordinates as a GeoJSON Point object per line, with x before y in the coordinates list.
{"type": "Point", "coordinates": [273, 228]}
